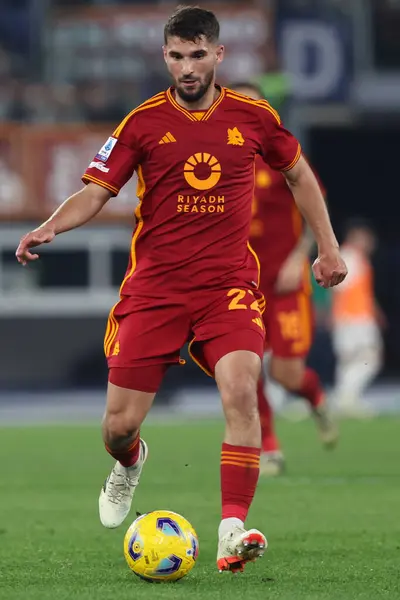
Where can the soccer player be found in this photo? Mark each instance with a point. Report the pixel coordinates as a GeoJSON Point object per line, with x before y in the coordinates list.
{"type": "Point", "coordinates": [357, 323]}
{"type": "Point", "coordinates": [283, 243]}
{"type": "Point", "coordinates": [191, 273]}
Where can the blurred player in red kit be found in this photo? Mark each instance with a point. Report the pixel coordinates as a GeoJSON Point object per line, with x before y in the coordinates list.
{"type": "Point", "coordinates": [191, 273]}
{"type": "Point", "coordinates": [283, 243]}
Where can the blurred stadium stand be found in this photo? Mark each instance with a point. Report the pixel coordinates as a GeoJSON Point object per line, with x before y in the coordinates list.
{"type": "Point", "coordinates": [71, 69]}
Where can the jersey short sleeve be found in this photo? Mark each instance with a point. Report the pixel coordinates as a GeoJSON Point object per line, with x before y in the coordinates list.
{"type": "Point", "coordinates": [116, 161]}
{"type": "Point", "coordinates": [279, 148]}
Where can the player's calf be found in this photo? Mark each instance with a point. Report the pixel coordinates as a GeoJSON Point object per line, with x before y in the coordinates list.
{"type": "Point", "coordinates": [125, 412]}
{"type": "Point", "coordinates": [237, 375]}
{"type": "Point", "coordinates": [288, 372]}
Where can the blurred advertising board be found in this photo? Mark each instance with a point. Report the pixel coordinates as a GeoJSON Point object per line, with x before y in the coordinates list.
{"type": "Point", "coordinates": [40, 166]}
{"type": "Point", "coordinates": [124, 44]}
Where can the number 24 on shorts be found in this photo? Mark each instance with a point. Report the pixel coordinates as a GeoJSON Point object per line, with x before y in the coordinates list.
{"type": "Point", "coordinates": [236, 303]}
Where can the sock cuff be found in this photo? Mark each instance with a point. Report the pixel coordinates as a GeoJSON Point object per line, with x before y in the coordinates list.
{"type": "Point", "coordinates": [229, 449]}
{"type": "Point", "coordinates": [134, 443]}
{"type": "Point", "coordinates": [127, 449]}
{"type": "Point", "coordinates": [240, 456]}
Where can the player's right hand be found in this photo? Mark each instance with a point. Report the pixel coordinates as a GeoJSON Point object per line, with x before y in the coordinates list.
{"type": "Point", "coordinates": [329, 268]}
{"type": "Point", "coordinates": [41, 235]}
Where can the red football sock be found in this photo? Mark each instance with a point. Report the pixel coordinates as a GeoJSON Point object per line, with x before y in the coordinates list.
{"type": "Point", "coordinates": [269, 441]}
{"type": "Point", "coordinates": [126, 456]}
{"type": "Point", "coordinates": [311, 388]}
{"type": "Point", "coordinates": [240, 468]}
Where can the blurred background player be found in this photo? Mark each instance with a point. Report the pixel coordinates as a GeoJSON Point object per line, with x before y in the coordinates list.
{"type": "Point", "coordinates": [357, 320]}
{"type": "Point", "coordinates": [283, 244]}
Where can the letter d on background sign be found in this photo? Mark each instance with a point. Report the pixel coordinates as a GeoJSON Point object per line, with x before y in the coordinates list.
{"type": "Point", "coordinates": [317, 57]}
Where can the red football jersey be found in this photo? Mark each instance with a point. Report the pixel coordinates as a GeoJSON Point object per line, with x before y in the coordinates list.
{"type": "Point", "coordinates": [276, 225]}
{"type": "Point", "coordinates": [196, 184]}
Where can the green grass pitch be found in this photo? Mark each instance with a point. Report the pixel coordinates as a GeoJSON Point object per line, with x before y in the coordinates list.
{"type": "Point", "coordinates": [333, 521]}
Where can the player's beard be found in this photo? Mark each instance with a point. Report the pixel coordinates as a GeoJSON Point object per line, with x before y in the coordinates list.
{"type": "Point", "coordinates": [195, 96]}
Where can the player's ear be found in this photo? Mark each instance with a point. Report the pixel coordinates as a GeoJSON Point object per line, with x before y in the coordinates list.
{"type": "Point", "coordinates": [164, 49]}
{"type": "Point", "coordinates": [220, 53]}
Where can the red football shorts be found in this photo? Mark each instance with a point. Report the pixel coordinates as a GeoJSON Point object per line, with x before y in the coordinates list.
{"type": "Point", "coordinates": [289, 323]}
{"type": "Point", "coordinates": [144, 335]}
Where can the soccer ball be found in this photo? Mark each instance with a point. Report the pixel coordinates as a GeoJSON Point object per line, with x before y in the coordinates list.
{"type": "Point", "coordinates": [161, 546]}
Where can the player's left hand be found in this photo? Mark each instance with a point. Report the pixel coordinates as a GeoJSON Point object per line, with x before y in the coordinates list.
{"type": "Point", "coordinates": [290, 274]}
{"type": "Point", "coordinates": [329, 268]}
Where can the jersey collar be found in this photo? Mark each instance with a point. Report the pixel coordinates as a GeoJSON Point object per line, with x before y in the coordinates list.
{"type": "Point", "coordinates": [207, 114]}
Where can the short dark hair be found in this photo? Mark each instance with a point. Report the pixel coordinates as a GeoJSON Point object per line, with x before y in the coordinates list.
{"type": "Point", "coordinates": [247, 84]}
{"type": "Point", "coordinates": [189, 23]}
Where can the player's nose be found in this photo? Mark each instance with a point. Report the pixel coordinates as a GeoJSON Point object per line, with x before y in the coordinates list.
{"type": "Point", "coordinates": [187, 67]}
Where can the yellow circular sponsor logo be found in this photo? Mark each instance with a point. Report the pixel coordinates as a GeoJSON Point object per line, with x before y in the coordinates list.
{"type": "Point", "coordinates": [202, 158]}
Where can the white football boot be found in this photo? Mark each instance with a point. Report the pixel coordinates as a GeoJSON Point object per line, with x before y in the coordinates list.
{"type": "Point", "coordinates": [272, 463]}
{"type": "Point", "coordinates": [327, 428]}
{"type": "Point", "coordinates": [117, 492]}
{"type": "Point", "coordinates": [238, 546]}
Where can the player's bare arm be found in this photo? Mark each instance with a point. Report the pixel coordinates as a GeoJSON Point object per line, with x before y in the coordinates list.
{"type": "Point", "coordinates": [306, 244]}
{"type": "Point", "coordinates": [292, 271]}
{"type": "Point", "coordinates": [329, 268]}
{"type": "Point", "coordinates": [74, 212]}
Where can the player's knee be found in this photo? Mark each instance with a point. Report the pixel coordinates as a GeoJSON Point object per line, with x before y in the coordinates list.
{"type": "Point", "coordinates": [239, 397]}
{"type": "Point", "coordinates": [119, 426]}
{"type": "Point", "coordinates": [125, 413]}
{"type": "Point", "coordinates": [289, 374]}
